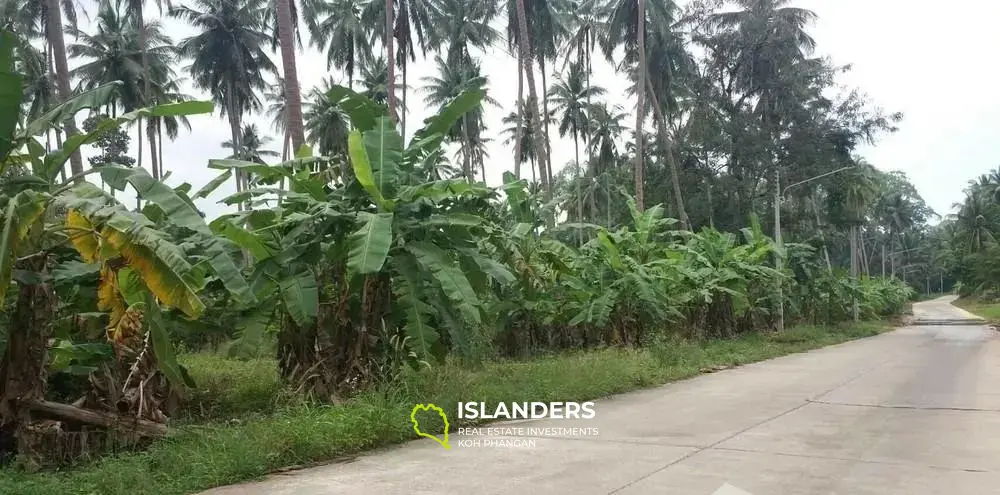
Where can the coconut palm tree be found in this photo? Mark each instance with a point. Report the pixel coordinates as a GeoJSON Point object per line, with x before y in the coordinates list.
{"type": "Point", "coordinates": [286, 25]}
{"type": "Point", "coordinates": [546, 30]}
{"type": "Point", "coordinates": [585, 20]}
{"type": "Point", "coordinates": [54, 34]}
{"type": "Point", "coordinates": [516, 128]}
{"type": "Point", "coordinates": [771, 36]}
{"type": "Point", "coordinates": [375, 80]}
{"type": "Point", "coordinates": [414, 19]}
{"type": "Point", "coordinates": [460, 25]}
{"type": "Point", "coordinates": [135, 8]}
{"type": "Point", "coordinates": [228, 57]}
{"type": "Point", "coordinates": [168, 91]}
{"type": "Point", "coordinates": [251, 146]}
{"type": "Point", "coordinates": [115, 52]}
{"type": "Point", "coordinates": [607, 127]}
{"type": "Point", "coordinates": [629, 24]}
{"type": "Point", "coordinates": [668, 58]}
{"type": "Point", "coordinates": [338, 28]}
{"type": "Point", "coordinates": [525, 55]}
{"type": "Point", "coordinates": [275, 98]}
{"type": "Point", "coordinates": [29, 18]}
{"type": "Point", "coordinates": [569, 97]}
{"type": "Point", "coordinates": [326, 124]}
{"type": "Point", "coordinates": [451, 81]}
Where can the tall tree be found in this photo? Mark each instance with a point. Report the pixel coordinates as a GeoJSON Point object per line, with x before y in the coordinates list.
{"type": "Point", "coordinates": [326, 124]}
{"type": "Point", "coordinates": [451, 81]}
{"type": "Point", "coordinates": [585, 21]}
{"type": "Point", "coordinates": [338, 26]}
{"type": "Point", "coordinates": [54, 31]}
{"type": "Point", "coordinates": [390, 55]}
{"type": "Point", "coordinates": [629, 23]}
{"type": "Point", "coordinates": [290, 75]}
{"type": "Point", "coordinates": [140, 59]}
{"type": "Point", "coordinates": [536, 123]}
{"type": "Point", "coordinates": [412, 18]}
{"type": "Point", "coordinates": [569, 97]}
{"type": "Point", "coordinates": [228, 57]}
{"type": "Point", "coordinates": [374, 80]}
{"type": "Point", "coordinates": [517, 130]}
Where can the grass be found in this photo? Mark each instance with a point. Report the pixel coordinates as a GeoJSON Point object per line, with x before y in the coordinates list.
{"type": "Point", "coordinates": [251, 427]}
{"type": "Point", "coordinates": [987, 310]}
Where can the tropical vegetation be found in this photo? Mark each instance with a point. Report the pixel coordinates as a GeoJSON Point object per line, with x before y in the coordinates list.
{"type": "Point", "coordinates": [370, 253]}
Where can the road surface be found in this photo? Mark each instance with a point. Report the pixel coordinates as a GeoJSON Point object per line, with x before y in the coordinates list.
{"type": "Point", "coordinates": [915, 411]}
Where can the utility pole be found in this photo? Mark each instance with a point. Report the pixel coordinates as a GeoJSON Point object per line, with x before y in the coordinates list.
{"type": "Point", "coordinates": [779, 195]}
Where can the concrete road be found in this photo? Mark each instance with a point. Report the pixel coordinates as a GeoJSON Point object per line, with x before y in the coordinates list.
{"type": "Point", "coordinates": [915, 411]}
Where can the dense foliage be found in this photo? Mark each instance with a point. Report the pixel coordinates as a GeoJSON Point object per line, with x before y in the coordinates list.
{"type": "Point", "coordinates": [378, 251]}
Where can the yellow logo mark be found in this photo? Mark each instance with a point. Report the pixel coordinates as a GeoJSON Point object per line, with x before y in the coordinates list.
{"type": "Point", "coordinates": [416, 426]}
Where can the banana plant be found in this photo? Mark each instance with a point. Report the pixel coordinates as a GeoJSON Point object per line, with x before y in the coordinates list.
{"type": "Point", "coordinates": [353, 262]}
{"type": "Point", "coordinates": [143, 272]}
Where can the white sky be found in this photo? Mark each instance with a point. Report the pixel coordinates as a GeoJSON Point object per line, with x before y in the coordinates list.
{"type": "Point", "coordinates": [933, 64]}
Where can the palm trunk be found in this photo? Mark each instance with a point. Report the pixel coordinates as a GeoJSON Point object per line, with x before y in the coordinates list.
{"type": "Point", "coordinates": [545, 120]}
{"type": "Point", "coordinates": [286, 144]}
{"type": "Point", "coordinates": [822, 236]}
{"type": "Point", "coordinates": [864, 253]}
{"type": "Point", "coordinates": [711, 204]}
{"type": "Point", "coordinates": [579, 186]}
{"type": "Point", "coordinates": [391, 83]}
{"type": "Point", "coordinates": [404, 109]}
{"type": "Point", "coordinates": [151, 134]}
{"type": "Point", "coordinates": [536, 124]}
{"type": "Point", "coordinates": [293, 98]}
{"type": "Point", "coordinates": [467, 151]}
{"type": "Point", "coordinates": [590, 150]}
{"type": "Point", "coordinates": [54, 31]}
{"type": "Point", "coordinates": [519, 133]}
{"type": "Point", "coordinates": [669, 151]}
{"type": "Point", "coordinates": [854, 265]}
{"type": "Point", "coordinates": [159, 144]}
{"type": "Point", "coordinates": [138, 132]}
{"type": "Point", "coordinates": [147, 99]}
{"type": "Point", "coordinates": [883, 259]}
{"type": "Point", "coordinates": [59, 144]}
{"type": "Point", "coordinates": [640, 109]}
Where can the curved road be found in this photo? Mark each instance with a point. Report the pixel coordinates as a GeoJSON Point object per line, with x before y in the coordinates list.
{"type": "Point", "coordinates": [915, 411]}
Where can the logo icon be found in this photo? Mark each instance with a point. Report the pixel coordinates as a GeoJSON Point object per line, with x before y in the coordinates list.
{"type": "Point", "coordinates": [416, 425]}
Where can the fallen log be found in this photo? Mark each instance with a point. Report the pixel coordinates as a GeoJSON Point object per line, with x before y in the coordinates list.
{"type": "Point", "coordinates": [107, 420]}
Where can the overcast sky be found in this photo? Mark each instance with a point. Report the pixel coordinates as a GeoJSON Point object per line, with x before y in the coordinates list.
{"type": "Point", "coordinates": [935, 65]}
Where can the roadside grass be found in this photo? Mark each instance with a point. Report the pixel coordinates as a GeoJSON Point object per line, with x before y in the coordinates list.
{"type": "Point", "coordinates": [243, 425]}
{"type": "Point", "coordinates": [987, 310]}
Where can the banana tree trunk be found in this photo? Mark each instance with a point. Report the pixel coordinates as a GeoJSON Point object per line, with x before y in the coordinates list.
{"type": "Point", "coordinates": [23, 371]}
